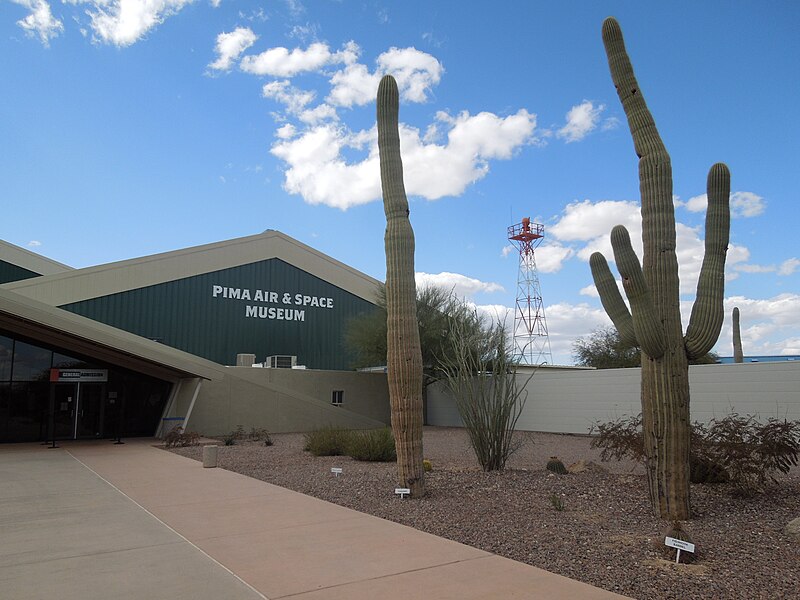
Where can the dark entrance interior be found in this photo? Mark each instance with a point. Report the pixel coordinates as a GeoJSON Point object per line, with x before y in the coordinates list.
{"type": "Point", "coordinates": [124, 403]}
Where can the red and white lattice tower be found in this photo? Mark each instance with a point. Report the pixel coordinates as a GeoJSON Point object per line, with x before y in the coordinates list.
{"type": "Point", "coordinates": [531, 341]}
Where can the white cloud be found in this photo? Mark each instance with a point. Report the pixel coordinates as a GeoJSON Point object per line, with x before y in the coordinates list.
{"type": "Point", "coordinates": [230, 46]}
{"type": "Point", "coordinates": [40, 22]}
{"type": "Point", "coordinates": [286, 132]}
{"type": "Point", "coordinates": [746, 204]}
{"type": "Point", "coordinates": [461, 285]}
{"type": "Point", "coordinates": [353, 85]}
{"type": "Point", "coordinates": [590, 224]}
{"type": "Point", "coordinates": [284, 92]}
{"type": "Point", "coordinates": [416, 72]}
{"type": "Point", "coordinates": [697, 203]}
{"type": "Point", "coordinates": [124, 22]}
{"type": "Point", "coordinates": [282, 62]}
{"type": "Point", "coordinates": [216, 3]}
{"type": "Point", "coordinates": [768, 326]}
{"type": "Point", "coordinates": [788, 266]}
{"type": "Point", "coordinates": [34, 244]}
{"type": "Point", "coordinates": [507, 250]}
{"type": "Point", "coordinates": [590, 290]}
{"type": "Point", "coordinates": [743, 204]}
{"type": "Point", "coordinates": [581, 120]}
{"type": "Point", "coordinates": [318, 171]}
{"type": "Point", "coordinates": [567, 322]}
{"type": "Point", "coordinates": [550, 257]}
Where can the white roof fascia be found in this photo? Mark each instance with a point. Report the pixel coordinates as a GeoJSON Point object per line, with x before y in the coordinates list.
{"type": "Point", "coordinates": [112, 278]}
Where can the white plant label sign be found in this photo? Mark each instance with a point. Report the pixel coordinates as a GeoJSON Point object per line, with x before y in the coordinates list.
{"type": "Point", "coordinates": [679, 545]}
{"type": "Point", "coordinates": [402, 492]}
{"type": "Point", "coordinates": [336, 471]}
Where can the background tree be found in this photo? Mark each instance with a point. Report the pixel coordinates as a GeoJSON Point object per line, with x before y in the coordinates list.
{"type": "Point", "coordinates": [604, 349]}
{"type": "Point", "coordinates": [653, 290]}
{"type": "Point", "coordinates": [403, 355]}
{"type": "Point", "coordinates": [437, 308]}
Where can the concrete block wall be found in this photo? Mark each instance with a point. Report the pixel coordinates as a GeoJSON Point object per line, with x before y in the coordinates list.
{"type": "Point", "coordinates": [289, 400]}
{"type": "Point", "coordinates": [562, 401]}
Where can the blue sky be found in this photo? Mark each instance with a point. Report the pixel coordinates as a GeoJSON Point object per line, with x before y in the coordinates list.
{"type": "Point", "coordinates": [132, 127]}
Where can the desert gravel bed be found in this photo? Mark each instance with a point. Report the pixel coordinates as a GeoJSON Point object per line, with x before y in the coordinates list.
{"type": "Point", "coordinates": [605, 535]}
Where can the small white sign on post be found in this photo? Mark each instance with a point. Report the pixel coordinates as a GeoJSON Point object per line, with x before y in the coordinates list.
{"type": "Point", "coordinates": [402, 492]}
{"type": "Point", "coordinates": [679, 545]}
{"type": "Point", "coordinates": [336, 471]}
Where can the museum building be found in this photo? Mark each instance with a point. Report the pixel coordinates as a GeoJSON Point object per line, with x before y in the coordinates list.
{"type": "Point", "coordinates": [118, 349]}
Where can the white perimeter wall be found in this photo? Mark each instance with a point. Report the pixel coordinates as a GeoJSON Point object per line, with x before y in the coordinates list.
{"type": "Point", "coordinates": [570, 401]}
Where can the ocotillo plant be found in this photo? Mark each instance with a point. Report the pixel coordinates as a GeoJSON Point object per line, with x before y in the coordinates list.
{"type": "Point", "coordinates": [403, 356]}
{"type": "Point", "coordinates": [738, 355]}
{"type": "Point", "coordinates": [652, 288]}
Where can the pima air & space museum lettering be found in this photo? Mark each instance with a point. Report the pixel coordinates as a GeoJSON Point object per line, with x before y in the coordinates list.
{"type": "Point", "coordinates": [286, 301]}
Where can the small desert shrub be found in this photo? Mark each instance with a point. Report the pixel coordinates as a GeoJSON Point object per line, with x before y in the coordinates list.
{"type": "Point", "coordinates": [619, 439]}
{"type": "Point", "coordinates": [230, 439]}
{"type": "Point", "coordinates": [736, 449]}
{"type": "Point", "coordinates": [427, 465]}
{"type": "Point", "coordinates": [375, 445]}
{"type": "Point", "coordinates": [327, 441]}
{"type": "Point", "coordinates": [260, 434]}
{"type": "Point", "coordinates": [556, 502]}
{"type": "Point", "coordinates": [178, 439]}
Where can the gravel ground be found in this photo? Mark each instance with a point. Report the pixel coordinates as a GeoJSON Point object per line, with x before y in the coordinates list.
{"type": "Point", "coordinates": [605, 536]}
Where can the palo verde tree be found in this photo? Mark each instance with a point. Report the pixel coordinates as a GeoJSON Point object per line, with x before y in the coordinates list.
{"type": "Point", "coordinates": [403, 354]}
{"type": "Point", "coordinates": [654, 320]}
{"type": "Point", "coordinates": [437, 309]}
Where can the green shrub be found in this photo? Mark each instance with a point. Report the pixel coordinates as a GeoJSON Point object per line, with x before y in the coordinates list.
{"type": "Point", "coordinates": [375, 445]}
{"type": "Point", "coordinates": [427, 465]}
{"type": "Point", "coordinates": [327, 441]}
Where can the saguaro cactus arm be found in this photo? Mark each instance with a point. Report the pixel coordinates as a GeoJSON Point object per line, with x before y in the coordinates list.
{"type": "Point", "coordinates": [707, 312]}
{"type": "Point", "coordinates": [646, 324]}
{"type": "Point", "coordinates": [612, 300]}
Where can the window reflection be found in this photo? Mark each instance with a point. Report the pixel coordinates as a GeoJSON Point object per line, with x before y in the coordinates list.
{"type": "Point", "coordinates": [6, 353]}
{"type": "Point", "coordinates": [31, 363]}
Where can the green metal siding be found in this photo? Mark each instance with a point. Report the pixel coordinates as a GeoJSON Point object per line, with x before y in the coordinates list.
{"type": "Point", "coordinates": [185, 314]}
{"type": "Point", "coordinates": [11, 272]}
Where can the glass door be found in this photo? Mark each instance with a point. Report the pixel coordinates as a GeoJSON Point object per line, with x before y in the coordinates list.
{"type": "Point", "coordinates": [90, 409]}
{"type": "Point", "coordinates": [64, 410]}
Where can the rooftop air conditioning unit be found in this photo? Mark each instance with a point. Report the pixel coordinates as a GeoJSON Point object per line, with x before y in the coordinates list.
{"type": "Point", "coordinates": [280, 362]}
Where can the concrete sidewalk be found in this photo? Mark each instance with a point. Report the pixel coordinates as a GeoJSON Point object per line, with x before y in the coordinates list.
{"type": "Point", "coordinates": [94, 520]}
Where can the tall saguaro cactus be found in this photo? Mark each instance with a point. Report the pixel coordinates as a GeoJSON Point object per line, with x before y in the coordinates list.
{"type": "Point", "coordinates": [652, 288]}
{"type": "Point", "coordinates": [404, 356]}
{"type": "Point", "coordinates": [738, 355]}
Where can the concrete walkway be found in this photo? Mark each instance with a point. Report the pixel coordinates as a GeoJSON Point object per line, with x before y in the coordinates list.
{"type": "Point", "coordinates": [98, 521]}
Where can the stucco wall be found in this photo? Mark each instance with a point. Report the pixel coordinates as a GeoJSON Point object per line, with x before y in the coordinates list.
{"type": "Point", "coordinates": [286, 400]}
{"type": "Point", "coordinates": [570, 401]}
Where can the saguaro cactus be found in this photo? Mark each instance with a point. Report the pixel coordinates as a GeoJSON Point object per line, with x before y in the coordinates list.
{"type": "Point", "coordinates": [738, 355]}
{"type": "Point", "coordinates": [654, 321]}
{"type": "Point", "coordinates": [404, 356]}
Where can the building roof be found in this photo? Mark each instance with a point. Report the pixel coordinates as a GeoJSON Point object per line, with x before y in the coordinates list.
{"type": "Point", "coordinates": [78, 334]}
{"type": "Point", "coordinates": [30, 260]}
{"type": "Point", "coordinates": [76, 285]}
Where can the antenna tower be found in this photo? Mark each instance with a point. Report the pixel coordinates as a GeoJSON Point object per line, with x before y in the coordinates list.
{"type": "Point", "coordinates": [531, 341]}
